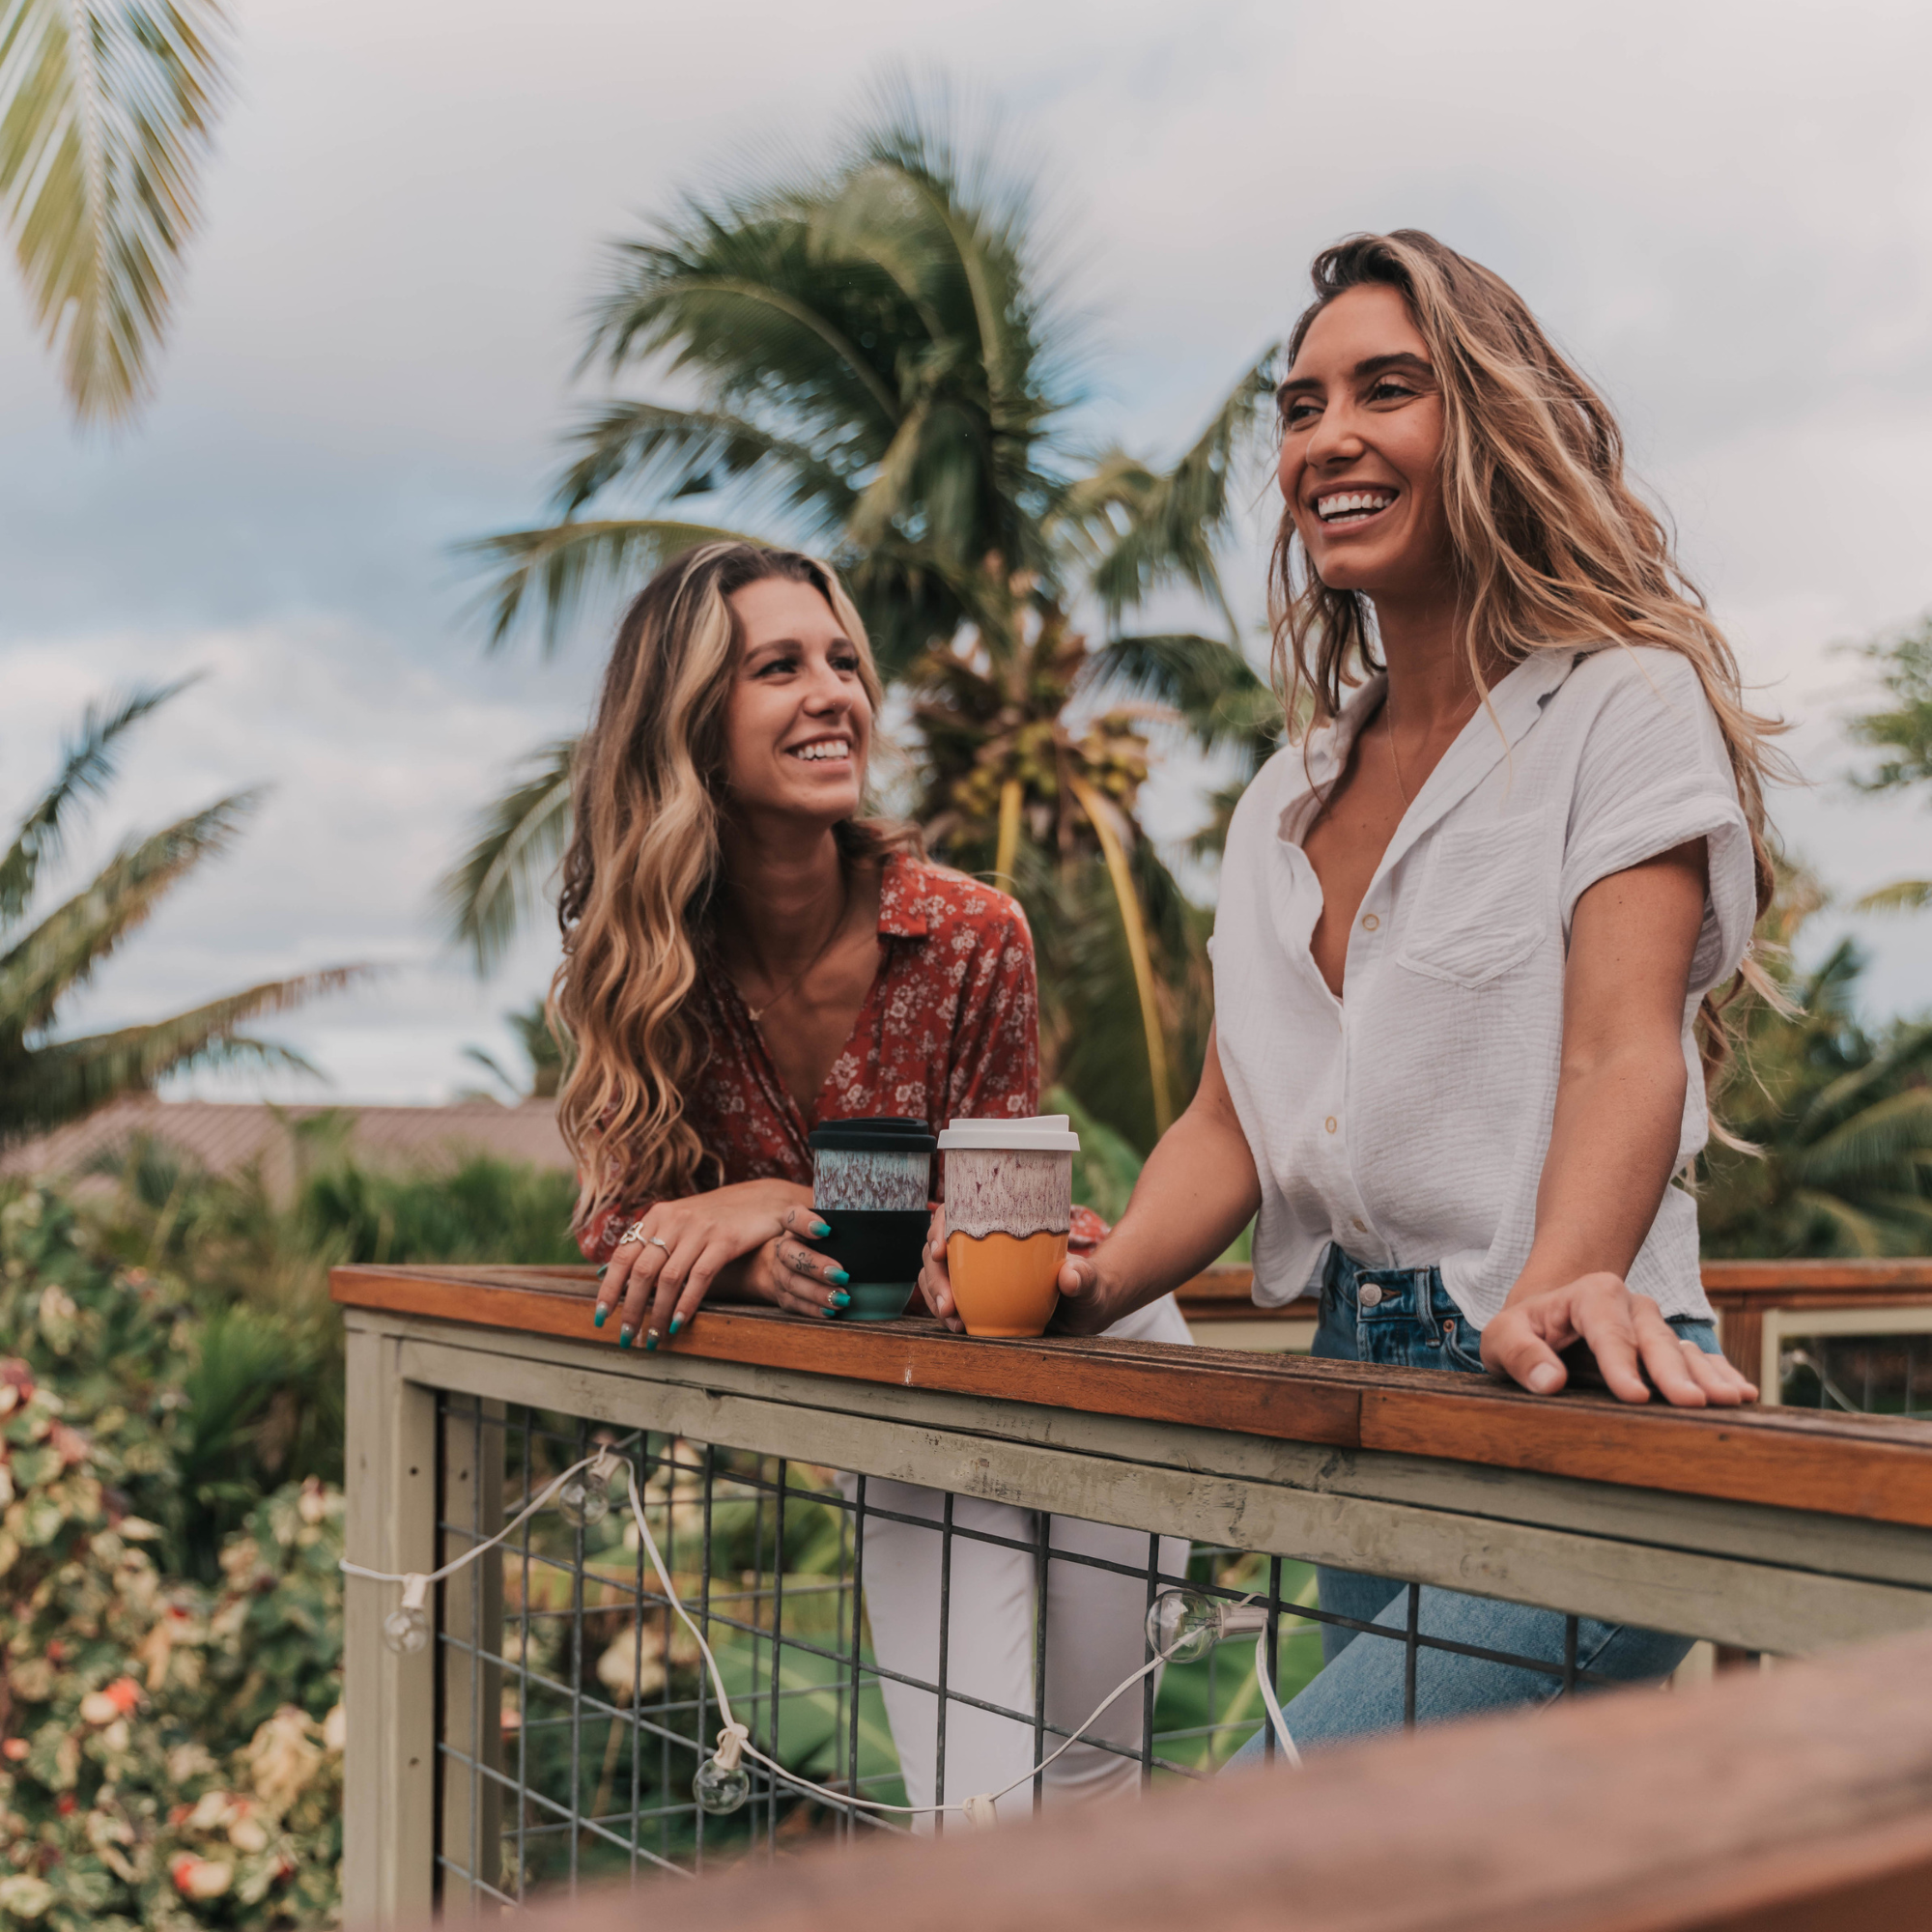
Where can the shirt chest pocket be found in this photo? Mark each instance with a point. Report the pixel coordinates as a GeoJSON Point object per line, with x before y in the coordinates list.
{"type": "Point", "coordinates": [1485, 902]}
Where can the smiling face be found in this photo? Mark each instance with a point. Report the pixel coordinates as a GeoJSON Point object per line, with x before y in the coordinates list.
{"type": "Point", "coordinates": [798, 723]}
{"type": "Point", "coordinates": [1362, 449]}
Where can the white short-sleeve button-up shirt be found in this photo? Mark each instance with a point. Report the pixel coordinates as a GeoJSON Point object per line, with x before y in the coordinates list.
{"type": "Point", "coordinates": [1408, 1120]}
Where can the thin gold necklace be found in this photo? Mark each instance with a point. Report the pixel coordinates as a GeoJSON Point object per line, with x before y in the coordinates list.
{"type": "Point", "coordinates": [1395, 756]}
{"type": "Point", "coordinates": [758, 1014]}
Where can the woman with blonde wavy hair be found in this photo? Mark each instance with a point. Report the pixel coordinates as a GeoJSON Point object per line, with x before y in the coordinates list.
{"type": "Point", "coordinates": [1473, 929]}
{"type": "Point", "coordinates": [745, 956]}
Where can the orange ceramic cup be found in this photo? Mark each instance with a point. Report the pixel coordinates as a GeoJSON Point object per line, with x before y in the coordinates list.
{"type": "Point", "coordinates": [1005, 1287]}
{"type": "Point", "coordinates": [1008, 1212]}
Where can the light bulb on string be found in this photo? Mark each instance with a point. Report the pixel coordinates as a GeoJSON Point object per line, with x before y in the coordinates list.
{"type": "Point", "coordinates": [584, 1498]}
{"type": "Point", "coordinates": [722, 1784]}
{"type": "Point", "coordinates": [1184, 1626]}
{"type": "Point", "coordinates": [406, 1629]}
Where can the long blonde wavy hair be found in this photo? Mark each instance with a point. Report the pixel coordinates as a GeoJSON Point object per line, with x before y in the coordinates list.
{"type": "Point", "coordinates": [647, 798]}
{"type": "Point", "coordinates": [1553, 547]}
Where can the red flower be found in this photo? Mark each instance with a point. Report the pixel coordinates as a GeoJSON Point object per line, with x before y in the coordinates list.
{"type": "Point", "coordinates": [66, 1803]}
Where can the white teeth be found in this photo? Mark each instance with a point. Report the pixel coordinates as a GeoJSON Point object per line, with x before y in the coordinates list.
{"type": "Point", "coordinates": [1352, 502]}
{"type": "Point", "coordinates": [835, 748]}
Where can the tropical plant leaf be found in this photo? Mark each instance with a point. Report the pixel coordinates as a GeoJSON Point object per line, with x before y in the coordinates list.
{"type": "Point", "coordinates": [1901, 895]}
{"type": "Point", "coordinates": [107, 111]}
{"type": "Point", "coordinates": [63, 1079]}
{"type": "Point", "coordinates": [1179, 518]}
{"type": "Point", "coordinates": [87, 768]}
{"type": "Point", "coordinates": [519, 837]}
{"type": "Point", "coordinates": [1219, 694]}
{"type": "Point", "coordinates": [559, 566]}
{"type": "Point", "coordinates": [42, 966]}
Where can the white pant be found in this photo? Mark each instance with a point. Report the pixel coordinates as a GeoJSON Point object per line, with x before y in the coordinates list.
{"type": "Point", "coordinates": [1095, 1624]}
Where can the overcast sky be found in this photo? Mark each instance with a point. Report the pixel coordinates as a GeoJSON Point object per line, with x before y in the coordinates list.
{"type": "Point", "coordinates": [1724, 211]}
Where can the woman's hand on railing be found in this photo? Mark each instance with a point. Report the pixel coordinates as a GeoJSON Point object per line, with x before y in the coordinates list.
{"type": "Point", "coordinates": [935, 1284]}
{"type": "Point", "coordinates": [1626, 1332]}
{"type": "Point", "coordinates": [683, 1247]}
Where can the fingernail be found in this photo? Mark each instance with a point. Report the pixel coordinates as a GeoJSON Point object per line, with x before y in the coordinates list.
{"type": "Point", "coordinates": [677, 1322]}
{"type": "Point", "coordinates": [604, 1270]}
{"type": "Point", "coordinates": [839, 1275]}
{"type": "Point", "coordinates": [820, 1229]}
{"type": "Point", "coordinates": [602, 1311]}
{"type": "Point", "coordinates": [651, 1341]}
{"type": "Point", "coordinates": [840, 1301]}
{"type": "Point", "coordinates": [624, 1334]}
{"type": "Point", "coordinates": [1545, 1378]}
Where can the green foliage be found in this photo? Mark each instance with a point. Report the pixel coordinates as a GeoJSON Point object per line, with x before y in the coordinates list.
{"type": "Point", "coordinates": [108, 112]}
{"type": "Point", "coordinates": [1840, 1119]}
{"type": "Point", "coordinates": [882, 369]}
{"type": "Point", "coordinates": [170, 1749]}
{"type": "Point", "coordinates": [1903, 730]}
{"type": "Point", "coordinates": [44, 1078]}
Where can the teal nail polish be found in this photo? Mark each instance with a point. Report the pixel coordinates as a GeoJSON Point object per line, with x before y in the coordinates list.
{"type": "Point", "coordinates": [602, 1311]}
{"type": "Point", "coordinates": [820, 1229]}
{"type": "Point", "coordinates": [651, 1342]}
{"type": "Point", "coordinates": [840, 1300]}
{"type": "Point", "coordinates": [839, 1275]}
{"type": "Point", "coordinates": [624, 1335]}
{"type": "Point", "coordinates": [677, 1322]}
{"type": "Point", "coordinates": [604, 1270]}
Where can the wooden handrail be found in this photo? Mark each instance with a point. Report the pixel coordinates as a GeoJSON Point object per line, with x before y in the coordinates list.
{"type": "Point", "coordinates": [1801, 1802]}
{"type": "Point", "coordinates": [1840, 1465]}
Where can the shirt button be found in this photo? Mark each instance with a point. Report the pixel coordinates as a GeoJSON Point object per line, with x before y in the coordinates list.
{"type": "Point", "coordinates": [1369, 1294]}
{"type": "Point", "coordinates": [1360, 1225]}
{"type": "Point", "coordinates": [1329, 1124]}
{"type": "Point", "coordinates": [1369, 922]}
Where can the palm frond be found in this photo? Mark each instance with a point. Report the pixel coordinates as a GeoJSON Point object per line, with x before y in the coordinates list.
{"type": "Point", "coordinates": [519, 837]}
{"type": "Point", "coordinates": [107, 111]}
{"type": "Point", "coordinates": [1219, 694]}
{"type": "Point", "coordinates": [558, 567]}
{"type": "Point", "coordinates": [1181, 517]}
{"type": "Point", "coordinates": [87, 768]}
{"type": "Point", "coordinates": [63, 1079]}
{"type": "Point", "coordinates": [61, 950]}
{"type": "Point", "coordinates": [1872, 1140]}
{"type": "Point", "coordinates": [673, 453]}
{"type": "Point", "coordinates": [1901, 895]}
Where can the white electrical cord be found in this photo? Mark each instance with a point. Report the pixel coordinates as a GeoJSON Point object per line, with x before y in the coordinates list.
{"type": "Point", "coordinates": [735, 1738]}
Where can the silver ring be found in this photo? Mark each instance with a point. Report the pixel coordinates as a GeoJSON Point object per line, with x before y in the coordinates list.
{"type": "Point", "coordinates": [632, 1235]}
{"type": "Point", "coordinates": [658, 1242]}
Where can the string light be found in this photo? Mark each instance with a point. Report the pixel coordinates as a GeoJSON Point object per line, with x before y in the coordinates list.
{"type": "Point", "coordinates": [406, 1629]}
{"type": "Point", "coordinates": [1181, 1626]}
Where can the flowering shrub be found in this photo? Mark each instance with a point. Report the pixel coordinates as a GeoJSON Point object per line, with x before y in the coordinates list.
{"type": "Point", "coordinates": [170, 1752]}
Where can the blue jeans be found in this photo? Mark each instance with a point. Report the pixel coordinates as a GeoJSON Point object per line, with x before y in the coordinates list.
{"type": "Point", "coordinates": [1409, 1320]}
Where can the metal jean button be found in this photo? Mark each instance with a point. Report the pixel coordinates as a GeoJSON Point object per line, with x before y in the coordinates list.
{"type": "Point", "coordinates": [1369, 1294]}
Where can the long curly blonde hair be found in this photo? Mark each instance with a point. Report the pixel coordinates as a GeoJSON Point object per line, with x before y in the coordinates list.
{"type": "Point", "coordinates": [1553, 547]}
{"type": "Point", "coordinates": [647, 796]}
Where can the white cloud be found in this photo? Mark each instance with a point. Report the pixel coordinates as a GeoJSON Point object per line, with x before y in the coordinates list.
{"type": "Point", "coordinates": [1725, 211]}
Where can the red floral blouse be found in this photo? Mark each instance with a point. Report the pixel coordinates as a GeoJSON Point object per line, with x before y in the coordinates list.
{"type": "Point", "coordinates": [950, 1027]}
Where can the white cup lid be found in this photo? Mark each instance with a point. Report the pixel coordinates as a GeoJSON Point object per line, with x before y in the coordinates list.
{"type": "Point", "coordinates": [1038, 1133]}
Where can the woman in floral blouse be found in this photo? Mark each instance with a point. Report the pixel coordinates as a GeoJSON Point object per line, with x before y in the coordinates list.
{"type": "Point", "coordinates": [744, 958]}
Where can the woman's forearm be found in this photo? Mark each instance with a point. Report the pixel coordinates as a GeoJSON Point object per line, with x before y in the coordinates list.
{"type": "Point", "coordinates": [1612, 1145]}
{"type": "Point", "coordinates": [1194, 1196]}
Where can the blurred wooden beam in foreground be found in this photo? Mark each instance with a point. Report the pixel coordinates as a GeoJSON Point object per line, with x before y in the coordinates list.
{"type": "Point", "coordinates": [1794, 1801]}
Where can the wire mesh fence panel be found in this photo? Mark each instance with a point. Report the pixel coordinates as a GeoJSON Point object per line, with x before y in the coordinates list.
{"type": "Point", "coordinates": [1866, 1374]}
{"type": "Point", "coordinates": [573, 1708]}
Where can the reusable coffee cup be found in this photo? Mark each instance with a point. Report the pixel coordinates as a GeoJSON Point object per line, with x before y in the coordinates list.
{"type": "Point", "coordinates": [871, 1180]}
{"type": "Point", "coordinates": [1009, 1208]}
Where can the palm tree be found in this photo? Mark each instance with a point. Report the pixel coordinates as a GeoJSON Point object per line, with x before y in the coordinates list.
{"type": "Point", "coordinates": [1840, 1122]}
{"type": "Point", "coordinates": [46, 1078]}
{"type": "Point", "coordinates": [107, 110]}
{"type": "Point", "coordinates": [882, 371]}
{"type": "Point", "coordinates": [1905, 731]}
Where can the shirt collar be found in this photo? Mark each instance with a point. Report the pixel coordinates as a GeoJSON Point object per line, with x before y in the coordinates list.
{"type": "Point", "coordinates": [1516, 703]}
